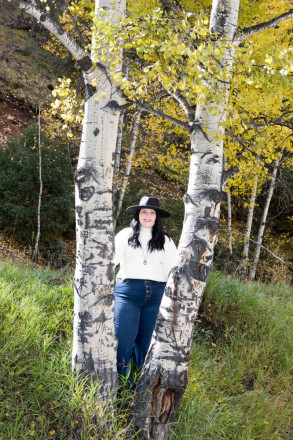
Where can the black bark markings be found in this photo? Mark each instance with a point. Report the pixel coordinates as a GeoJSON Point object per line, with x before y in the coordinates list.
{"type": "Point", "coordinates": [85, 321]}
{"type": "Point", "coordinates": [188, 199]}
{"type": "Point", "coordinates": [86, 194]}
{"type": "Point", "coordinates": [102, 248]}
{"type": "Point", "coordinates": [210, 224]}
{"type": "Point", "coordinates": [94, 287]}
{"type": "Point", "coordinates": [90, 269]}
{"type": "Point", "coordinates": [78, 285]}
{"type": "Point", "coordinates": [211, 194]}
{"type": "Point", "coordinates": [82, 176]}
{"type": "Point", "coordinates": [89, 91]}
{"type": "Point", "coordinates": [199, 265]}
{"type": "Point", "coordinates": [198, 126]}
{"type": "Point", "coordinates": [113, 105]}
{"type": "Point", "coordinates": [85, 63]}
{"type": "Point", "coordinates": [90, 257]}
{"type": "Point", "coordinates": [96, 131]}
{"type": "Point", "coordinates": [107, 300]}
{"type": "Point", "coordinates": [214, 159]}
{"type": "Point", "coordinates": [88, 364]}
{"type": "Point", "coordinates": [92, 222]}
{"type": "Point", "coordinates": [78, 210]}
{"type": "Point", "coordinates": [101, 318]}
{"type": "Point", "coordinates": [201, 271]}
{"type": "Point", "coordinates": [110, 271]}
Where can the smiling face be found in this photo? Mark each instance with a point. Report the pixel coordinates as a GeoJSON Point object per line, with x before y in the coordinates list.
{"type": "Point", "coordinates": [147, 217]}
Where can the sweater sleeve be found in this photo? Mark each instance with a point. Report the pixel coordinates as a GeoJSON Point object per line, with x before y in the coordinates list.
{"type": "Point", "coordinates": [169, 255]}
{"type": "Point", "coordinates": [121, 241]}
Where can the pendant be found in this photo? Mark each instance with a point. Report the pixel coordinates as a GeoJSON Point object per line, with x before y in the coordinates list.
{"type": "Point", "coordinates": [145, 262]}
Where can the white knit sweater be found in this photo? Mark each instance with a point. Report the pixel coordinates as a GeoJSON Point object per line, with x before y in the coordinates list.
{"type": "Point", "coordinates": [132, 260]}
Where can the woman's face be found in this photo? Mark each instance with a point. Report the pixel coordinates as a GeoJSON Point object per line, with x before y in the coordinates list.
{"type": "Point", "coordinates": [147, 217]}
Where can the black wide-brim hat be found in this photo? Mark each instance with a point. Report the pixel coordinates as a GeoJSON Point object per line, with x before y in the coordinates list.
{"type": "Point", "coordinates": [150, 203]}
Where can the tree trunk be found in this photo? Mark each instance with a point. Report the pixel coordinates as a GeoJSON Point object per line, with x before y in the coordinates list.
{"type": "Point", "coordinates": [129, 164]}
{"type": "Point", "coordinates": [36, 249]}
{"type": "Point", "coordinates": [94, 340]}
{"type": "Point", "coordinates": [243, 266]}
{"type": "Point", "coordinates": [264, 217]}
{"type": "Point", "coordinates": [117, 158]}
{"type": "Point", "coordinates": [230, 230]}
{"type": "Point", "coordinates": [165, 374]}
{"type": "Point", "coordinates": [229, 207]}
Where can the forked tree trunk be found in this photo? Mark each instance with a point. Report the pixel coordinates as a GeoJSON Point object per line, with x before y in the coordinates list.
{"type": "Point", "coordinates": [165, 374]}
{"type": "Point", "coordinates": [264, 217]}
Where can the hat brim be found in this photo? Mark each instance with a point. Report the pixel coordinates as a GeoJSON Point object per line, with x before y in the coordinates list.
{"type": "Point", "coordinates": [133, 209]}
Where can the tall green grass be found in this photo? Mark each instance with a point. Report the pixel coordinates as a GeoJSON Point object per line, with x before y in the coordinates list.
{"type": "Point", "coordinates": [242, 361]}
{"type": "Point", "coordinates": [39, 397]}
{"type": "Point", "coordinates": [240, 370]}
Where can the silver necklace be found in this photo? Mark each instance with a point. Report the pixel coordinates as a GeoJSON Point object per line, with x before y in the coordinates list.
{"type": "Point", "coordinates": [144, 256]}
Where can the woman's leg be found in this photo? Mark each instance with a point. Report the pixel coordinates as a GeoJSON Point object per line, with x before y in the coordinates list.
{"type": "Point", "coordinates": [148, 316]}
{"type": "Point", "coordinates": [127, 310]}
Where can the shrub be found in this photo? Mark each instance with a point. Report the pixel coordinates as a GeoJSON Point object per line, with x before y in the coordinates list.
{"type": "Point", "coordinates": [19, 188]}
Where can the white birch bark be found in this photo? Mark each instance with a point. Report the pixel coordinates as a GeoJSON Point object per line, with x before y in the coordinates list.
{"type": "Point", "coordinates": [117, 157]}
{"type": "Point", "coordinates": [94, 342]}
{"type": "Point", "coordinates": [165, 373]}
{"type": "Point", "coordinates": [129, 164]}
{"type": "Point", "coordinates": [36, 249]}
{"type": "Point", "coordinates": [230, 230]}
{"type": "Point", "coordinates": [243, 266]}
{"type": "Point", "coordinates": [229, 208]}
{"type": "Point", "coordinates": [264, 217]}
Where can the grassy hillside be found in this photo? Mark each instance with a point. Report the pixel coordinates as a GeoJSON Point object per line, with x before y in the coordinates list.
{"type": "Point", "coordinates": [240, 376]}
{"type": "Point", "coordinates": [27, 71]}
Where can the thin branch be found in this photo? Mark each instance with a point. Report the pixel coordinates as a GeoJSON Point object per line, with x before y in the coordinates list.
{"type": "Point", "coordinates": [185, 105]}
{"type": "Point", "coordinates": [275, 256]}
{"type": "Point", "coordinates": [135, 128]}
{"type": "Point", "coordinates": [281, 121]}
{"type": "Point", "coordinates": [81, 57]}
{"type": "Point", "coordinates": [76, 28]}
{"type": "Point", "coordinates": [246, 32]}
{"type": "Point", "coordinates": [148, 108]}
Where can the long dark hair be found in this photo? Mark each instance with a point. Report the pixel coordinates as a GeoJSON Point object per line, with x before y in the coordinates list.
{"type": "Point", "coordinates": [158, 236]}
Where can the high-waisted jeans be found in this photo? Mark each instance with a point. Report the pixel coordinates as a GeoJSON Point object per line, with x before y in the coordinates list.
{"type": "Point", "coordinates": [137, 303]}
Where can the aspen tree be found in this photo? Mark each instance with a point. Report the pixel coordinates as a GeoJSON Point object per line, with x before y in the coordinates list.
{"type": "Point", "coordinates": [94, 341]}
{"type": "Point", "coordinates": [191, 63]}
{"type": "Point", "coordinates": [165, 373]}
{"type": "Point", "coordinates": [262, 226]}
{"type": "Point", "coordinates": [135, 129]}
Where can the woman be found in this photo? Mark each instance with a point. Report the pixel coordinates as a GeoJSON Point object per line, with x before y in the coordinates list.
{"type": "Point", "coordinates": [146, 255]}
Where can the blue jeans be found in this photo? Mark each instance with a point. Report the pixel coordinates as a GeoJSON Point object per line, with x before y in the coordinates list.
{"type": "Point", "coordinates": [137, 303]}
